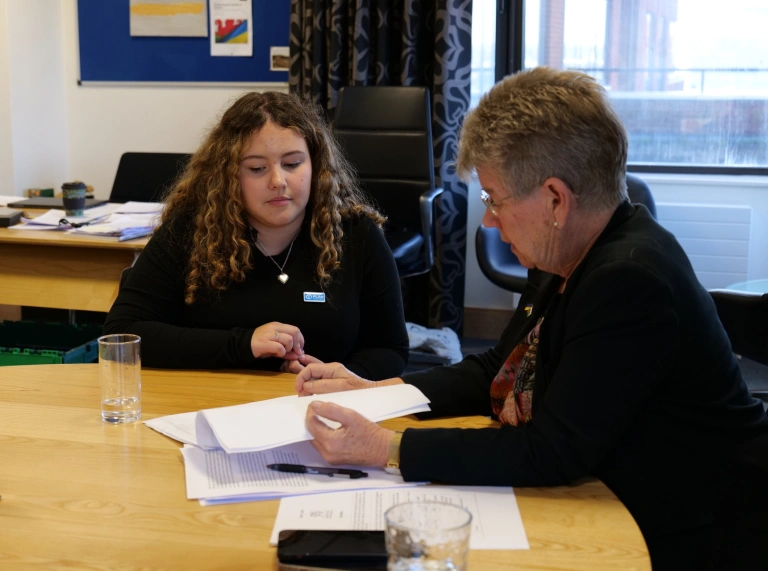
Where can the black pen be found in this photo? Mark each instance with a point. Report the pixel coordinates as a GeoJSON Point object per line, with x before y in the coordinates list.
{"type": "Point", "coordinates": [332, 472]}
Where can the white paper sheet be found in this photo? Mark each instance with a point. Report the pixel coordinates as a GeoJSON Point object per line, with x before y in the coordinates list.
{"type": "Point", "coordinates": [52, 217]}
{"type": "Point", "coordinates": [496, 521]}
{"type": "Point", "coordinates": [276, 422]}
{"type": "Point", "coordinates": [134, 207]}
{"type": "Point", "coordinates": [216, 474]}
{"type": "Point", "coordinates": [180, 427]}
{"type": "Point", "coordinates": [6, 198]}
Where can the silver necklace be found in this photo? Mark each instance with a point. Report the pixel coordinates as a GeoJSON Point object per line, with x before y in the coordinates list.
{"type": "Point", "coordinates": [283, 277]}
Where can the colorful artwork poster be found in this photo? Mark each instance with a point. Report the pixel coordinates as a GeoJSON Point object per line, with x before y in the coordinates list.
{"type": "Point", "coordinates": [180, 18]}
{"type": "Point", "coordinates": [231, 26]}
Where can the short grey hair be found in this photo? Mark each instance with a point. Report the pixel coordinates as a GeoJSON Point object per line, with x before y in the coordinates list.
{"type": "Point", "coordinates": [543, 123]}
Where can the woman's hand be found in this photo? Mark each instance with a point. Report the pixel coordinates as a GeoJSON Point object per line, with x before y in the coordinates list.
{"type": "Point", "coordinates": [296, 366]}
{"type": "Point", "coordinates": [277, 340]}
{"type": "Point", "coordinates": [358, 441]}
{"type": "Point", "coordinates": [322, 378]}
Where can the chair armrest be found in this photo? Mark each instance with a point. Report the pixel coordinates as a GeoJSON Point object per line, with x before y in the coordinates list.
{"type": "Point", "coordinates": [426, 205]}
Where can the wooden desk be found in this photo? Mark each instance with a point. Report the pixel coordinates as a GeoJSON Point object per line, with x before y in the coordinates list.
{"type": "Point", "coordinates": [66, 271]}
{"type": "Point", "coordinates": [78, 493]}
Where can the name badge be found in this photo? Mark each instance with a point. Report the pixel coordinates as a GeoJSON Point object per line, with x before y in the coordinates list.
{"type": "Point", "coordinates": [314, 297]}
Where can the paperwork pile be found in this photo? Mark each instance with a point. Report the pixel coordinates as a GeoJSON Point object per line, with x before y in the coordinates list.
{"type": "Point", "coordinates": [123, 221]}
{"type": "Point", "coordinates": [228, 448]}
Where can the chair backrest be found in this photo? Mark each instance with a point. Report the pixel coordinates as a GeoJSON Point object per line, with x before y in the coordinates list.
{"type": "Point", "coordinates": [145, 177]}
{"type": "Point", "coordinates": [501, 266]}
{"type": "Point", "coordinates": [744, 316]}
{"type": "Point", "coordinates": [386, 133]}
{"type": "Point", "coordinates": [639, 193]}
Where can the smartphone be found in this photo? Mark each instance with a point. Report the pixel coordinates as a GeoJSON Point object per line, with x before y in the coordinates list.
{"type": "Point", "coordinates": [364, 550]}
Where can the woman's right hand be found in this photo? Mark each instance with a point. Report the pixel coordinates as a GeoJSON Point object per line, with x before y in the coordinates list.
{"type": "Point", "coordinates": [277, 340]}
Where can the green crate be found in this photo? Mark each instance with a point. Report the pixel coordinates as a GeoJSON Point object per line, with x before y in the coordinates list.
{"type": "Point", "coordinates": [33, 343]}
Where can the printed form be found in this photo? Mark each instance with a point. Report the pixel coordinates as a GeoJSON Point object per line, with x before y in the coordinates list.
{"type": "Point", "coordinates": [496, 521]}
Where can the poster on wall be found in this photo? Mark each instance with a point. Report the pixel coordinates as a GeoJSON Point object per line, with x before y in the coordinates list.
{"type": "Point", "coordinates": [181, 18]}
{"type": "Point", "coordinates": [231, 27]}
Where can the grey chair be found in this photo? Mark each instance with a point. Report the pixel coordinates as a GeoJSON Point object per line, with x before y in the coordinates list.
{"type": "Point", "coordinates": [145, 177]}
{"type": "Point", "coordinates": [386, 133]}
{"type": "Point", "coordinates": [501, 266]}
{"type": "Point", "coordinates": [744, 316]}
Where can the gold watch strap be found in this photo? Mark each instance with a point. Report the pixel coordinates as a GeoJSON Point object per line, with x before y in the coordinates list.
{"type": "Point", "coordinates": [393, 460]}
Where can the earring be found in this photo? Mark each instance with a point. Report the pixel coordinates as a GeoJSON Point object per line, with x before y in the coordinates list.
{"type": "Point", "coordinates": [554, 224]}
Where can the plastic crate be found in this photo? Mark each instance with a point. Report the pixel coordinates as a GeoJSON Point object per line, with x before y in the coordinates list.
{"type": "Point", "coordinates": [33, 343]}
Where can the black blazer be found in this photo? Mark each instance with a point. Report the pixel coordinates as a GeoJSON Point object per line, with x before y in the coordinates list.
{"type": "Point", "coordinates": [635, 384]}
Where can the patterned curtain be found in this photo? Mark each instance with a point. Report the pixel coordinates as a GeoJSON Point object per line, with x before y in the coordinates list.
{"type": "Point", "coordinates": [335, 43]}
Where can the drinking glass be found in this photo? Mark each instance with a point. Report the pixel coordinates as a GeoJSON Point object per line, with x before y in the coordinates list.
{"type": "Point", "coordinates": [427, 536]}
{"type": "Point", "coordinates": [120, 378]}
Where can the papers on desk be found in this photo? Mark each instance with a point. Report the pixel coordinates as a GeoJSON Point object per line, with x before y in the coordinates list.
{"type": "Point", "coordinates": [124, 226]}
{"type": "Point", "coordinates": [213, 476]}
{"type": "Point", "coordinates": [496, 521]}
{"type": "Point", "coordinates": [5, 199]}
{"type": "Point", "coordinates": [276, 422]}
{"type": "Point", "coordinates": [227, 449]}
{"type": "Point", "coordinates": [123, 221]}
{"type": "Point", "coordinates": [51, 220]}
{"type": "Point", "coordinates": [132, 207]}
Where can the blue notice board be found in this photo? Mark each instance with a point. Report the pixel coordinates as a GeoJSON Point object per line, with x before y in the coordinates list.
{"type": "Point", "coordinates": [109, 53]}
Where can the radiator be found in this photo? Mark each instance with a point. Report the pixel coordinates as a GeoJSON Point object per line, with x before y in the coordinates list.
{"type": "Point", "coordinates": [716, 238]}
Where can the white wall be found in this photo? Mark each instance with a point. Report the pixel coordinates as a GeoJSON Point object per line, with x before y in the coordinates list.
{"type": "Point", "coordinates": [6, 140]}
{"type": "Point", "coordinates": [35, 65]}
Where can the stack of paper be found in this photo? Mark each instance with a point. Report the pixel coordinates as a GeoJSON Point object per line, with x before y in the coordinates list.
{"type": "Point", "coordinates": [123, 221]}
{"type": "Point", "coordinates": [227, 449]}
{"type": "Point", "coordinates": [52, 219]}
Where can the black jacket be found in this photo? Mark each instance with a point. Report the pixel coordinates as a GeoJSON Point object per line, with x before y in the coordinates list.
{"type": "Point", "coordinates": [635, 384]}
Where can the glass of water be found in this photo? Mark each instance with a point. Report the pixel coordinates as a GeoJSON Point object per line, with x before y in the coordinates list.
{"type": "Point", "coordinates": [427, 536]}
{"type": "Point", "coordinates": [120, 378]}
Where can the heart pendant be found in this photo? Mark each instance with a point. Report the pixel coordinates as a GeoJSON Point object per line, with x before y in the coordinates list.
{"type": "Point", "coordinates": [283, 277]}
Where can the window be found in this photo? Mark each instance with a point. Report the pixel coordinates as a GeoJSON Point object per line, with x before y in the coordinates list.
{"type": "Point", "coordinates": [689, 78]}
{"type": "Point", "coordinates": [483, 48]}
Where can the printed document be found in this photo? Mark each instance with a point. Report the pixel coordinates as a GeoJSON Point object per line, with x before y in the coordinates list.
{"type": "Point", "coordinates": [276, 422]}
{"type": "Point", "coordinates": [496, 521]}
{"type": "Point", "coordinates": [213, 474]}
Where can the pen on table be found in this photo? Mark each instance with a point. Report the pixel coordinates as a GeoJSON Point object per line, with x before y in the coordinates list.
{"type": "Point", "coordinates": [332, 472]}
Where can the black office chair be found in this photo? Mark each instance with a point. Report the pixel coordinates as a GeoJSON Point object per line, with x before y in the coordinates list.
{"type": "Point", "coordinates": [145, 177]}
{"type": "Point", "coordinates": [744, 316]}
{"type": "Point", "coordinates": [386, 133]}
{"type": "Point", "coordinates": [501, 266]}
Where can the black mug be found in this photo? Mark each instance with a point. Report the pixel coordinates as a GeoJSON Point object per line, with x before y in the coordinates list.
{"type": "Point", "coordinates": [74, 198]}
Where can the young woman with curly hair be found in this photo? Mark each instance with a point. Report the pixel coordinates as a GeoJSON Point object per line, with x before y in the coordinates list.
{"type": "Point", "coordinates": [267, 249]}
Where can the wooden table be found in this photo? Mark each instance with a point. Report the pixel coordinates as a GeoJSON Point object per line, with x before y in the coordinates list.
{"type": "Point", "coordinates": [67, 271]}
{"type": "Point", "coordinates": [81, 494]}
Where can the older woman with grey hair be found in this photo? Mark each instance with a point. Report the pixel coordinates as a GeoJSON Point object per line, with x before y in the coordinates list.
{"type": "Point", "coordinates": [616, 366]}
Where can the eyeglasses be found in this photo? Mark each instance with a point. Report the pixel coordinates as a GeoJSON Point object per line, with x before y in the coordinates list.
{"type": "Point", "coordinates": [490, 204]}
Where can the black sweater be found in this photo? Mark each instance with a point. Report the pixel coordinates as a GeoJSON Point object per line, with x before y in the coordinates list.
{"type": "Point", "coordinates": [635, 384]}
{"type": "Point", "coordinates": [361, 323]}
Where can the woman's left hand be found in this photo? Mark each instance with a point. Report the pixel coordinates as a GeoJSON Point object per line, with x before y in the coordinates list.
{"type": "Point", "coordinates": [295, 366]}
{"type": "Point", "coordinates": [358, 441]}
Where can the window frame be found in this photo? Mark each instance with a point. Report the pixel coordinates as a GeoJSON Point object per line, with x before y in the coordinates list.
{"type": "Point", "coordinates": [510, 53]}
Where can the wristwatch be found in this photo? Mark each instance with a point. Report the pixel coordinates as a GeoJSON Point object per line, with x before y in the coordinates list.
{"type": "Point", "coordinates": [393, 460]}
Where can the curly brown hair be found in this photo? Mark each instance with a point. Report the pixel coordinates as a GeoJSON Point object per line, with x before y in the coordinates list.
{"type": "Point", "coordinates": [209, 191]}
